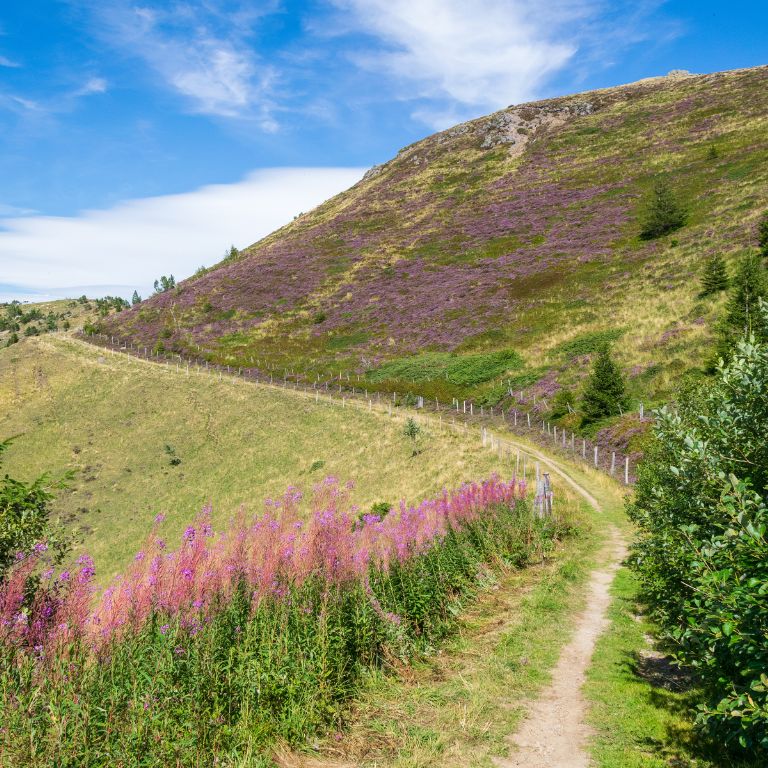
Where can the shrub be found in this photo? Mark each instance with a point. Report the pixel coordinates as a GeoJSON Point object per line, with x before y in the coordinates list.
{"type": "Point", "coordinates": [663, 213]}
{"type": "Point", "coordinates": [563, 403]}
{"type": "Point", "coordinates": [702, 551]}
{"type": "Point", "coordinates": [25, 517]}
{"type": "Point", "coordinates": [411, 429]}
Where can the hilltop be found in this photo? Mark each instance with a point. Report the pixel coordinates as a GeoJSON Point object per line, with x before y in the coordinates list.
{"type": "Point", "coordinates": [515, 233]}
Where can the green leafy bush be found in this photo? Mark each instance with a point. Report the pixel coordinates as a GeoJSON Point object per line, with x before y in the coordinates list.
{"type": "Point", "coordinates": [25, 516]}
{"type": "Point", "coordinates": [702, 549]}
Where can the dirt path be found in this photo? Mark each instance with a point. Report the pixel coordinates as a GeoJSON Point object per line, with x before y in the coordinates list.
{"type": "Point", "coordinates": [554, 733]}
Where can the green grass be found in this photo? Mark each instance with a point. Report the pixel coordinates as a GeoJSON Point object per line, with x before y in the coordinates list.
{"type": "Point", "coordinates": [587, 343]}
{"type": "Point", "coordinates": [640, 723]}
{"type": "Point", "coordinates": [111, 417]}
{"type": "Point", "coordinates": [458, 370]}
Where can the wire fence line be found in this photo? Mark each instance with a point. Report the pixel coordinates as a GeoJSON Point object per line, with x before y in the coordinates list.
{"type": "Point", "coordinates": [344, 391]}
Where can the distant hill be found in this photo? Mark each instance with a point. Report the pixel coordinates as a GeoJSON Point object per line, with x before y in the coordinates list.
{"type": "Point", "coordinates": [516, 232]}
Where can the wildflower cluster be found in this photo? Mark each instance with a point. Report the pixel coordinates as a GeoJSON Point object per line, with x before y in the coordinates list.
{"type": "Point", "coordinates": [261, 631]}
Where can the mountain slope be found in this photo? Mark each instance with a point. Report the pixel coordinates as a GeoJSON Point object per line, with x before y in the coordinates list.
{"type": "Point", "coordinates": [514, 231]}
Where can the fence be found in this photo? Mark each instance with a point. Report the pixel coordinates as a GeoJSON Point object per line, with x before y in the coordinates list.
{"type": "Point", "coordinates": [513, 420]}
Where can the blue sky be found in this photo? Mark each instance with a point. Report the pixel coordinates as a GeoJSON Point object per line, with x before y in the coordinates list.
{"type": "Point", "coordinates": [142, 136]}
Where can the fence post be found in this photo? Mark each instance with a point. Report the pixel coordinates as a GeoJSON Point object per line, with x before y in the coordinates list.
{"type": "Point", "coordinates": [613, 461]}
{"type": "Point", "coordinates": [595, 455]}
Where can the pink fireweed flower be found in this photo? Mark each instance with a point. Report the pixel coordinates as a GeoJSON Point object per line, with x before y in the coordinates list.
{"type": "Point", "coordinates": [270, 554]}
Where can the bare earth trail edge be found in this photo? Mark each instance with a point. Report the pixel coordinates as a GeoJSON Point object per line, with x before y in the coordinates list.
{"type": "Point", "coordinates": [554, 733]}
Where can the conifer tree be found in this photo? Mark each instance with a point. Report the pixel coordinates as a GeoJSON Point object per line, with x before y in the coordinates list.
{"type": "Point", "coordinates": [135, 299]}
{"type": "Point", "coordinates": [664, 214]}
{"type": "Point", "coordinates": [742, 313]}
{"type": "Point", "coordinates": [762, 234]}
{"type": "Point", "coordinates": [714, 278]}
{"type": "Point", "coordinates": [605, 393]}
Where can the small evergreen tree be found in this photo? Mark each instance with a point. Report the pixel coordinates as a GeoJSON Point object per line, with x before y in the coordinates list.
{"type": "Point", "coordinates": [605, 393]}
{"type": "Point", "coordinates": [663, 214]}
{"type": "Point", "coordinates": [742, 313]}
{"type": "Point", "coordinates": [715, 276]}
{"type": "Point", "coordinates": [762, 234]}
{"type": "Point", "coordinates": [135, 299]}
{"type": "Point", "coordinates": [165, 284]}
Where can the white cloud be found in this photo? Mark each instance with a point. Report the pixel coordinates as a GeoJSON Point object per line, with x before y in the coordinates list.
{"type": "Point", "coordinates": [128, 246]}
{"type": "Point", "coordinates": [91, 86]}
{"type": "Point", "coordinates": [460, 59]}
{"type": "Point", "coordinates": [6, 62]}
{"type": "Point", "coordinates": [200, 52]}
{"type": "Point", "coordinates": [12, 210]}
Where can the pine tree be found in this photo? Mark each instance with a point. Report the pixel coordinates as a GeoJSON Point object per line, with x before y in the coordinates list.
{"type": "Point", "coordinates": [135, 299]}
{"type": "Point", "coordinates": [762, 234]}
{"type": "Point", "coordinates": [714, 278]}
{"type": "Point", "coordinates": [605, 393]}
{"type": "Point", "coordinates": [742, 315]}
{"type": "Point", "coordinates": [664, 214]}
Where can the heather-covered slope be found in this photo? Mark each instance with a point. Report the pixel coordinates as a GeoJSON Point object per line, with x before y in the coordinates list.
{"type": "Point", "coordinates": [517, 231]}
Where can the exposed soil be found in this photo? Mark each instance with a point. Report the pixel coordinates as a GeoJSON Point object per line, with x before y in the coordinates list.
{"type": "Point", "coordinates": [554, 733]}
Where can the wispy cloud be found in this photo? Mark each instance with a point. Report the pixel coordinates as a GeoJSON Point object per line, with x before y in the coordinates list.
{"type": "Point", "coordinates": [460, 59]}
{"type": "Point", "coordinates": [201, 50]}
{"type": "Point", "coordinates": [13, 210]}
{"type": "Point", "coordinates": [91, 86]}
{"type": "Point", "coordinates": [127, 246]}
{"type": "Point", "coordinates": [6, 62]}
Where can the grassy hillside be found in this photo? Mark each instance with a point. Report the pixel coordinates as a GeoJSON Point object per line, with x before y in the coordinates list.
{"type": "Point", "coordinates": [516, 232]}
{"type": "Point", "coordinates": [121, 424]}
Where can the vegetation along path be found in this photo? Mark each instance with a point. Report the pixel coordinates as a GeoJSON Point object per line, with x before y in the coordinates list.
{"type": "Point", "coordinates": [555, 732]}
